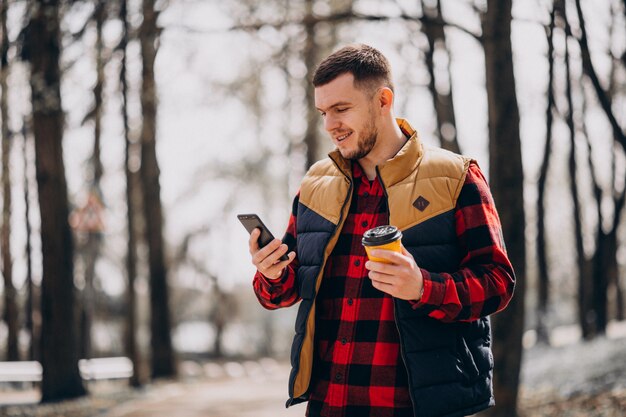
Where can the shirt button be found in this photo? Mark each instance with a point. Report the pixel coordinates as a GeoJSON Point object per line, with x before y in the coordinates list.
{"type": "Point", "coordinates": [350, 301]}
{"type": "Point", "coordinates": [344, 341]}
{"type": "Point", "coordinates": [338, 376]}
{"type": "Point", "coordinates": [364, 224]}
{"type": "Point", "coordinates": [366, 194]}
{"type": "Point", "coordinates": [357, 262]}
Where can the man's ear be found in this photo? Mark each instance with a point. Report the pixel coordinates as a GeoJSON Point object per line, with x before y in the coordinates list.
{"type": "Point", "coordinates": [385, 98]}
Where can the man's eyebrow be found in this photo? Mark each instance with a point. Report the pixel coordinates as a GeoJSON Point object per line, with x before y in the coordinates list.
{"type": "Point", "coordinates": [340, 103]}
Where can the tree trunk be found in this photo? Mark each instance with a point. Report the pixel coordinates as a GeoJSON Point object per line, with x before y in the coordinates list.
{"type": "Point", "coordinates": [130, 344]}
{"type": "Point", "coordinates": [584, 278]}
{"type": "Point", "coordinates": [10, 295]}
{"type": "Point", "coordinates": [543, 335]}
{"type": "Point", "coordinates": [442, 101]}
{"type": "Point", "coordinates": [61, 378]}
{"type": "Point", "coordinates": [604, 260]}
{"type": "Point", "coordinates": [506, 174]}
{"type": "Point", "coordinates": [623, 7]}
{"type": "Point", "coordinates": [91, 249]}
{"type": "Point", "coordinates": [612, 268]}
{"type": "Point", "coordinates": [32, 325]}
{"type": "Point", "coordinates": [163, 364]}
{"type": "Point", "coordinates": [311, 136]}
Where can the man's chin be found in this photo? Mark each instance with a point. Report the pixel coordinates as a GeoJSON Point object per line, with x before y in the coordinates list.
{"type": "Point", "coordinates": [352, 156]}
{"type": "Point", "coordinates": [346, 154]}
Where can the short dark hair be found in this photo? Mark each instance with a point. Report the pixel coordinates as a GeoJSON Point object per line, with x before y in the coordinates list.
{"type": "Point", "coordinates": [368, 65]}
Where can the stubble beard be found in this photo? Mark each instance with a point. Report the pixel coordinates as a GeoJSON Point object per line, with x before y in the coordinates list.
{"type": "Point", "coordinates": [366, 144]}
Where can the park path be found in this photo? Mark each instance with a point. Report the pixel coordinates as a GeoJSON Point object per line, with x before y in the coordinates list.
{"type": "Point", "coordinates": [262, 394]}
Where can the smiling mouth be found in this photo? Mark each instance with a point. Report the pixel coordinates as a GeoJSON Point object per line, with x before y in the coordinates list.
{"type": "Point", "coordinates": [343, 137]}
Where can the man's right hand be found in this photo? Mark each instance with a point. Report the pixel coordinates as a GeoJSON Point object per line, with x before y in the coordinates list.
{"type": "Point", "coordinates": [266, 259]}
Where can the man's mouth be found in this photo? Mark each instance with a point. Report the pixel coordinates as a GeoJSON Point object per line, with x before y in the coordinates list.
{"type": "Point", "coordinates": [342, 137]}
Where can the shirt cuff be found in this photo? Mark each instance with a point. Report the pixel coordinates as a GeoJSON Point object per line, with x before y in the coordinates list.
{"type": "Point", "coordinates": [430, 295]}
{"type": "Point", "coordinates": [273, 284]}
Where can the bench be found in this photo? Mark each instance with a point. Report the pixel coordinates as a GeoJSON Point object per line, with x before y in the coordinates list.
{"type": "Point", "coordinates": [105, 368]}
{"type": "Point", "coordinates": [21, 371]}
{"type": "Point", "coordinates": [90, 369]}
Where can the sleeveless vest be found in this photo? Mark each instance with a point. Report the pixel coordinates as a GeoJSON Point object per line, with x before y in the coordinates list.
{"type": "Point", "coordinates": [449, 365]}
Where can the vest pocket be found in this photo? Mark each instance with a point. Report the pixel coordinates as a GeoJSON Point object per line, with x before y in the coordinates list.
{"type": "Point", "coordinates": [468, 366]}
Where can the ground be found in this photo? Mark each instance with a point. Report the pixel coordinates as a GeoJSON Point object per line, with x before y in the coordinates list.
{"type": "Point", "coordinates": [571, 379]}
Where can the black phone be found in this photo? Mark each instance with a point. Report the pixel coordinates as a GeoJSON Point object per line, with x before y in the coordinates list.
{"type": "Point", "coordinates": [253, 221]}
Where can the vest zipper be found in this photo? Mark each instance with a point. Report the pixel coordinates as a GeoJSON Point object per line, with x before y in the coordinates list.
{"type": "Point", "coordinates": [395, 313]}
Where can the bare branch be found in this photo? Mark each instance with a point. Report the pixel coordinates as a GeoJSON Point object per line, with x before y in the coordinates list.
{"type": "Point", "coordinates": [590, 71]}
{"type": "Point", "coordinates": [335, 18]}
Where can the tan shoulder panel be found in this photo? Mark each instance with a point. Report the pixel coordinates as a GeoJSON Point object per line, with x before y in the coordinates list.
{"type": "Point", "coordinates": [430, 190]}
{"type": "Point", "coordinates": [324, 190]}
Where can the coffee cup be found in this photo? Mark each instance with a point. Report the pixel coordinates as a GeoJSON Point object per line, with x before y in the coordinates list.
{"type": "Point", "coordinates": [382, 237]}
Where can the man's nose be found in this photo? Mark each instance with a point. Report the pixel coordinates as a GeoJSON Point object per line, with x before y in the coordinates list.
{"type": "Point", "coordinates": [330, 123]}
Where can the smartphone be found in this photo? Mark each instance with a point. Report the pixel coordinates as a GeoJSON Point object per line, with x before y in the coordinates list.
{"type": "Point", "coordinates": [251, 222]}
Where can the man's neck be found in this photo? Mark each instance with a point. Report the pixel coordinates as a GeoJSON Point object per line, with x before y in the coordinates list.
{"type": "Point", "coordinates": [389, 142]}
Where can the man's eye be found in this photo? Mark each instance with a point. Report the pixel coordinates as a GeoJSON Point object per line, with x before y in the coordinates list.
{"type": "Point", "coordinates": [341, 110]}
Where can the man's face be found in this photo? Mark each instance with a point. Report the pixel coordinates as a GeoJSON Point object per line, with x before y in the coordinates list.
{"type": "Point", "coordinates": [349, 116]}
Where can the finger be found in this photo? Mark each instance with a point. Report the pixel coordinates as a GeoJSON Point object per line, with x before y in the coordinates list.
{"type": "Point", "coordinates": [390, 255]}
{"type": "Point", "coordinates": [253, 242]}
{"type": "Point", "coordinates": [276, 271]}
{"type": "Point", "coordinates": [264, 252]}
{"type": "Point", "coordinates": [273, 258]}
{"type": "Point", "coordinates": [383, 286]}
{"type": "Point", "coordinates": [382, 278]}
{"type": "Point", "coordinates": [282, 264]}
{"type": "Point", "coordinates": [405, 252]}
{"type": "Point", "coordinates": [382, 267]}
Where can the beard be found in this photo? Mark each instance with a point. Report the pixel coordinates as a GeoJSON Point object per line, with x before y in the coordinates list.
{"type": "Point", "coordinates": [365, 144]}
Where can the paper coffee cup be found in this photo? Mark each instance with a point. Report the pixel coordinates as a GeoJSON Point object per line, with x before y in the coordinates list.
{"type": "Point", "coordinates": [382, 237]}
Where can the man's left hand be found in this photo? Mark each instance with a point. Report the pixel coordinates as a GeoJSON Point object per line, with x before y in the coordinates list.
{"type": "Point", "coordinates": [400, 278]}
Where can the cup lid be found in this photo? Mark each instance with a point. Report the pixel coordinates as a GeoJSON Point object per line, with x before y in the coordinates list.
{"type": "Point", "coordinates": [381, 235]}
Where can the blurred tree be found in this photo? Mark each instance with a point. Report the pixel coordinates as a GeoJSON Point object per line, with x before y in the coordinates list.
{"type": "Point", "coordinates": [61, 378]}
{"type": "Point", "coordinates": [310, 54]}
{"type": "Point", "coordinates": [584, 276]}
{"type": "Point", "coordinates": [132, 191]}
{"type": "Point", "coordinates": [163, 362]}
{"type": "Point", "coordinates": [10, 294]}
{"type": "Point", "coordinates": [590, 71]}
{"type": "Point", "coordinates": [507, 182]}
{"type": "Point", "coordinates": [542, 255]}
{"type": "Point", "coordinates": [615, 92]}
{"type": "Point", "coordinates": [309, 48]}
{"type": "Point", "coordinates": [604, 260]}
{"type": "Point", "coordinates": [223, 305]}
{"type": "Point", "coordinates": [90, 235]}
{"type": "Point", "coordinates": [223, 311]}
{"type": "Point", "coordinates": [32, 313]}
{"type": "Point", "coordinates": [442, 100]}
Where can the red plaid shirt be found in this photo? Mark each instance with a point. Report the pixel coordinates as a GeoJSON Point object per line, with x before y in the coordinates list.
{"type": "Point", "coordinates": [358, 369]}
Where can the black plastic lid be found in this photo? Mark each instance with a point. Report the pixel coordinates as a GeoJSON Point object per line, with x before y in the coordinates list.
{"type": "Point", "coordinates": [381, 235]}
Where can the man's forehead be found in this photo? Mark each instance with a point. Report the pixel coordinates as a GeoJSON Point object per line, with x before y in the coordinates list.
{"type": "Point", "coordinates": [339, 91]}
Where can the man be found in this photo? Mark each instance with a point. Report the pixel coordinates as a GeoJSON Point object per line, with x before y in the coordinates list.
{"type": "Point", "coordinates": [410, 337]}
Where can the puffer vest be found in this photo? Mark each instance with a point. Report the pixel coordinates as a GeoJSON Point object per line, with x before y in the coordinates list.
{"type": "Point", "coordinates": [449, 365]}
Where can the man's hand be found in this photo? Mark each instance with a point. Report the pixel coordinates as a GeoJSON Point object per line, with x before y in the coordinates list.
{"type": "Point", "coordinates": [266, 259]}
{"type": "Point", "coordinates": [401, 278]}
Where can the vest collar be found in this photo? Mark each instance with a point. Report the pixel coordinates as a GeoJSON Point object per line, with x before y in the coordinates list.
{"type": "Point", "coordinates": [397, 168]}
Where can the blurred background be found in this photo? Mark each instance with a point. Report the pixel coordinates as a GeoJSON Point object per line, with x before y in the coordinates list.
{"type": "Point", "coordinates": [134, 131]}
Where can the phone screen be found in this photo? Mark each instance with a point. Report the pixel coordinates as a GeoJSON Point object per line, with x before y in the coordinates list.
{"type": "Point", "coordinates": [253, 221]}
